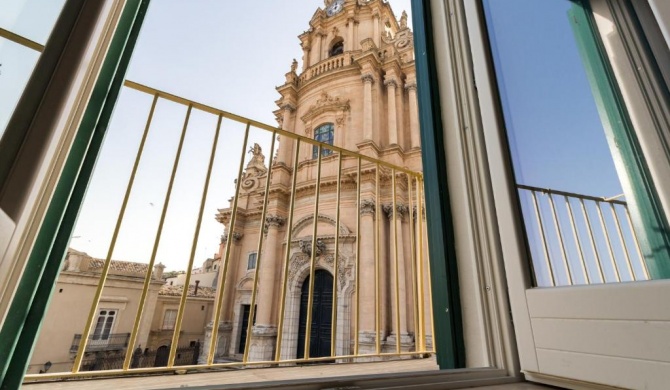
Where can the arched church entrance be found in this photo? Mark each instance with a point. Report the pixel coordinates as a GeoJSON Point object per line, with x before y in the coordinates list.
{"type": "Point", "coordinates": [322, 310]}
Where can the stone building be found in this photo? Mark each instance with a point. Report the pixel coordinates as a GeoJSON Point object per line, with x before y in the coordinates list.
{"type": "Point", "coordinates": [356, 90]}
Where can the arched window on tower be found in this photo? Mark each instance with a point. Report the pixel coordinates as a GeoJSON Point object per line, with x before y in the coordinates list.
{"type": "Point", "coordinates": [326, 134]}
{"type": "Point", "coordinates": [337, 47]}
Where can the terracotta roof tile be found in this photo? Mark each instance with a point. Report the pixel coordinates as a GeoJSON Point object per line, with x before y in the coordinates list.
{"type": "Point", "coordinates": [175, 291]}
{"type": "Point", "coordinates": [119, 266]}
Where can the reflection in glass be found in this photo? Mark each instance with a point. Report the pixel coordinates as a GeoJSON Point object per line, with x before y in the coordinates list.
{"type": "Point", "coordinates": [32, 19]}
{"type": "Point", "coordinates": [17, 65]}
{"type": "Point", "coordinates": [578, 193]}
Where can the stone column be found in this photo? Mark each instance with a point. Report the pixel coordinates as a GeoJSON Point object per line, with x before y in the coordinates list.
{"type": "Point", "coordinates": [356, 40]}
{"type": "Point", "coordinates": [225, 321]}
{"type": "Point", "coordinates": [231, 277]}
{"type": "Point", "coordinates": [368, 79]}
{"type": "Point", "coordinates": [400, 289]}
{"type": "Point", "coordinates": [305, 56]}
{"type": "Point", "coordinates": [350, 34]}
{"type": "Point", "coordinates": [376, 33]}
{"type": "Point", "coordinates": [319, 40]}
{"type": "Point", "coordinates": [367, 330]}
{"type": "Point", "coordinates": [415, 139]}
{"type": "Point", "coordinates": [285, 152]}
{"type": "Point", "coordinates": [392, 121]}
{"type": "Point", "coordinates": [264, 333]}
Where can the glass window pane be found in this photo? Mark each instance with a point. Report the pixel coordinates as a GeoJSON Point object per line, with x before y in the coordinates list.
{"type": "Point", "coordinates": [575, 172]}
{"type": "Point", "coordinates": [32, 19]}
{"type": "Point", "coordinates": [16, 66]}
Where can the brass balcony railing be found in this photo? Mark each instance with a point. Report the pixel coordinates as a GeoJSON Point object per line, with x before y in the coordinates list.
{"type": "Point", "coordinates": [379, 264]}
{"type": "Point", "coordinates": [580, 239]}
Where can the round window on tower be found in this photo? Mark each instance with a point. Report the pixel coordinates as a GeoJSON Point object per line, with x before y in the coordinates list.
{"type": "Point", "coordinates": [337, 48]}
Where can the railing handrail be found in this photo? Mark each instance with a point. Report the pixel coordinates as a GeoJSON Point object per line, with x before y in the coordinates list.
{"type": "Point", "coordinates": [571, 194]}
{"type": "Point", "coordinates": [238, 118]}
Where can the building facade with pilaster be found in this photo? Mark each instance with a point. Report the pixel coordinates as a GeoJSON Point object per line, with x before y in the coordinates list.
{"type": "Point", "coordinates": [356, 89]}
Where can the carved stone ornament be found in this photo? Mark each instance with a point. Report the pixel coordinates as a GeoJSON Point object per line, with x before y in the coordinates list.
{"type": "Point", "coordinates": [325, 103]}
{"type": "Point", "coordinates": [274, 220]}
{"type": "Point", "coordinates": [237, 236]}
{"type": "Point", "coordinates": [368, 78]}
{"type": "Point", "coordinates": [410, 87]}
{"type": "Point", "coordinates": [367, 206]}
{"type": "Point", "coordinates": [401, 209]}
{"type": "Point", "coordinates": [368, 44]}
{"type": "Point", "coordinates": [391, 83]}
{"type": "Point", "coordinates": [306, 247]}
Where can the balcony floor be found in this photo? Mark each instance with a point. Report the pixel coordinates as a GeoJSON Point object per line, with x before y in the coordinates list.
{"type": "Point", "coordinates": [278, 377]}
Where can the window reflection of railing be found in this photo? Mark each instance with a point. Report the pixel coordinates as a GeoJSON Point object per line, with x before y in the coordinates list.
{"type": "Point", "coordinates": [580, 239]}
{"type": "Point", "coordinates": [378, 303]}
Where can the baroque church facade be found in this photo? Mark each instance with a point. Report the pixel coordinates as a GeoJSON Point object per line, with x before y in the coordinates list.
{"type": "Point", "coordinates": [356, 90]}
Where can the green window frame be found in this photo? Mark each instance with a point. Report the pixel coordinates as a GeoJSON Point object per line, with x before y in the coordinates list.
{"type": "Point", "coordinates": [33, 294]}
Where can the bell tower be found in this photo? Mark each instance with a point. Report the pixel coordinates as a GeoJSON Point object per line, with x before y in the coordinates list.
{"type": "Point", "coordinates": [354, 88]}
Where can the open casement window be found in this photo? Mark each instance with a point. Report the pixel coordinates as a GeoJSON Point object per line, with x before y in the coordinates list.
{"type": "Point", "coordinates": [576, 138]}
{"type": "Point", "coordinates": [169, 319]}
{"type": "Point", "coordinates": [104, 324]}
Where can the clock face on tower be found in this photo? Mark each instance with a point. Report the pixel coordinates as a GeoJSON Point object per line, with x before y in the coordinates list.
{"type": "Point", "coordinates": [335, 7]}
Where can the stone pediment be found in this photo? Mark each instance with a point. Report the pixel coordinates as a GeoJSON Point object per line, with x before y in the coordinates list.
{"type": "Point", "coordinates": [325, 103]}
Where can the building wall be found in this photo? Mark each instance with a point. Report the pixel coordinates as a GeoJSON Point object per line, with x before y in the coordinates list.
{"type": "Point", "coordinates": [197, 314]}
{"type": "Point", "coordinates": [70, 307]}
{"type": "Point", "coordinates": [332, 90]}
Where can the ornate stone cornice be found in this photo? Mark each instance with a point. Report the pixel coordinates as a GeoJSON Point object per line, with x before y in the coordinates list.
{"type": "Point", "coordinates": [423, 212]}
{"type": "Point", "coordinates": [274, 220]}
{"type": "Point", "coordinates": [400, 208]}
{"type": "Point", "coordinates": [368, 78]}
{"type": "Point", "coordinates": [391, 83]}
{"type": "Point", "coordinates": [325, 103]}
{"type": "Point", "coordinates": [367, 206]}
{"type": "Point", "coordinates": [288, 107]}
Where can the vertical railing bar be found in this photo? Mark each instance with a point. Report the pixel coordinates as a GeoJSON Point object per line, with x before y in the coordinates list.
{"type": "Point", "coordinates": [557, 226]}
{"type": "Point", "coordinates": [312, 264]}
{"type": "Point", "coordinates": [412, 237]}
{"type": "Point", "coordinates": [575, 236]}
{"type": "Point", "coordinates": [592, 238]}
{"type": "Point", "coordinates": [544, 238]}
{"type": "Point", "coordinates": [429, 271]}
{"type": "Point", "coordinates": [289, 237]}
{"type": "Point", "coordinates": [147, 276]}
{"type": "Point", "coordinates": [226, 260]}
{"type": "Point", "coordinates": [419, 249]}
{"type": "Point", "coordinates": [358, 258]}
{"type": "Point", "coordinates": [336, 262]}
{"type": "Point", "coordinates": [108, 261]}
{"type": "Point", "coordinates": [259, 255]}
{"type": "Point", "coordinates": [378, 294]}
{"type": "Point", "coordinates": [629, 266]}
{"type": "Point", "coordinates": [396, 275]}
{"type": "Point", "coordinates": [196, 235]}
{"type": "Point", "coordinates": [643, 263]}
{"type": "Point", "coordinates": [608, 241]}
